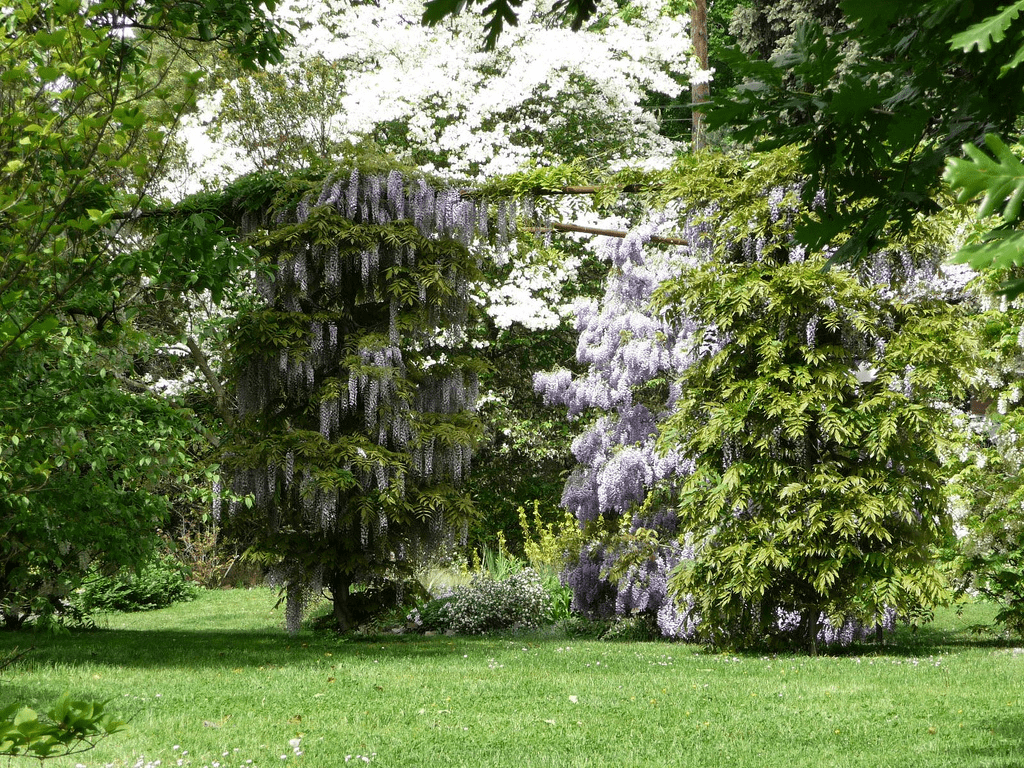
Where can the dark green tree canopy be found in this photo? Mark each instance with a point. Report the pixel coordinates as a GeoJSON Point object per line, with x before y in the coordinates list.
{"type": "Point", "coordinates": [873, 128]}
{"type": "Point", "coordinates": [354, 388]}
{"type": "Point", "coordinates": [90, 94]}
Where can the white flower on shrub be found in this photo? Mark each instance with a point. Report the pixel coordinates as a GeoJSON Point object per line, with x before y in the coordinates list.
{"type": "Point", "coordinates": [519, 601]}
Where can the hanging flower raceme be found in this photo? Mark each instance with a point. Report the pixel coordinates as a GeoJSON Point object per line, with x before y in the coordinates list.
{"type": "Point", "coordinates": [355, 387]}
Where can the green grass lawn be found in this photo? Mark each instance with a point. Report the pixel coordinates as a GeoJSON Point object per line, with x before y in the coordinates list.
{"type": "Point", "coordinates": [218, 683]}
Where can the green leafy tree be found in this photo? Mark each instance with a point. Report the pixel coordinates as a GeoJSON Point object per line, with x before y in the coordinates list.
{"type": "Point", "coordinates": [90, 95]}
{"type": "Point", "coordinates": [814, 432]}
{"type": "Point", "coordinates": [355, 394]}
{"type": "Point", "coordinates": [766, 29]}
{"type": "Point", "coordinates": [873, 129]}
{"type": "Point", "coordinates": [988, 489]}
{"type": "Point", "coordinates": [998, 179]}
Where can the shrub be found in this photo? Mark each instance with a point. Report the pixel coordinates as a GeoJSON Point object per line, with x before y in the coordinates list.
{"type": "Point", "coordinates": [550, 545]}
{"type": "Point", "coordinates": [640, 627]}
{"type": "Point", "coordinates": [430, 617]}
{"type": "Point", "coordinates": [487, 604]}
{"type": "Point", "coordinates": [159, 584]}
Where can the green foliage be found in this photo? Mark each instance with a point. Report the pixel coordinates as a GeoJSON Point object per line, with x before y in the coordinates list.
{"type": "Point", "coordinates": [432, 615]}
{"type": "Point", "coordinates": [282, 117]}
{"type": "Point", "coordinates": [811, 488]}
{"type": "Point", "coordinates": [160, 583]}
{"type": "Point", "coordinates": [355, 427]}
{"type": "Point", "coordinates": [873, 128]}
{"type": "Point", "coordinates": [638, 628]}
{"type": "Point", "coordinates": [985, 457]}
{"type": "Point", "coordinates": [990, 556]}
{"type": "Point", "coordinates": [436, 11]}
{"type": "Point", "coordinates": [548, 545]}
{"type": "Point", "coordinates": [990, 32]}
{"type": "Point", "coordinates": [68, 728]}
{"type": "Point", "coordinates": [999, 180]}
{"type": "Point", "coordinates": [499, 563]}
{"type": "Point", "coordinates": [79, 478]}
{"type": "Point", "coordinates": [768, 28]}
{"type": "Point", "coordinates": [89, 98]}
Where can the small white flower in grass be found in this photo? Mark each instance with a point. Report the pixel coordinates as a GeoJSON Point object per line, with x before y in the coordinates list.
{"type": "Point", "coordinates": [176, 747]}
{"type": "Point", "coordinates": [294, 742]}
{"type": "Point", "coordinates": [574, 699]}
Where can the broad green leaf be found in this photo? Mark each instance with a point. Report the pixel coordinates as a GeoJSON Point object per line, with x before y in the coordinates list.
{"type": "Point", "coordinates": [25, 717]}
{"type": "Point", "coordinates": [999, 180]}
{"type": "Point", "coordinates": [1013, 63]}
{"type": "Point", "coordinates": [1000, 249]}
{"type": "Point", "coordinates": [989, 32]}
{"type": "Point", "coordinates": [436, 11]}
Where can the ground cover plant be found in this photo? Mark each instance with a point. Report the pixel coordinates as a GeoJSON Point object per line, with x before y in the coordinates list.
{"type": "Point", "coordinates": [218, 683]}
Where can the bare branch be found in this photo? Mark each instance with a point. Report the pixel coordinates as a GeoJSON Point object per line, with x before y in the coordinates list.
{"type": "Point", "coordinates": [561, 227]}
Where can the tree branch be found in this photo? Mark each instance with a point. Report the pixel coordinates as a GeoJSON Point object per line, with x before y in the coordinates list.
{"type": "Point", "coordinates": [560, 227]}
{"type": "Point", "coordinates": [573, 190]}
{"type": "Point", "coordinates": [218, 389]}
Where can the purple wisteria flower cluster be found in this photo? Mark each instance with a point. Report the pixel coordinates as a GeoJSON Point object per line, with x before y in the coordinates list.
{"type": "Point", "coordinates": [627, 348]}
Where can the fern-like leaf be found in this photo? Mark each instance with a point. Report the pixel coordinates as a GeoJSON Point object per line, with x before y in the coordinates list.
{"type": "Point", "coordinates": [989, 32]}
{"type": "Point", "coordinates": [1001, 250]}
{"type": "Point", "coordinates": [1000, 181]}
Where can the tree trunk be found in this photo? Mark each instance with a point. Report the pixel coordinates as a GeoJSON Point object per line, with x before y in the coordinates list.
{"type": "Point", "coordinates": [811, 620]}
{"type": "Point", "coordinates": [339, 584]}
{"type": "Point", "coordinates": [700, 93]}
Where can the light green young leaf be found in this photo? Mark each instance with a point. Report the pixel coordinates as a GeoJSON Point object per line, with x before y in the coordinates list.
{"type": "Point", "coordinates": [989, 32]}
{"type": "Point", "coordinates": [999, 181]}
{"type": "Point", "coordinates": [1000, 249]}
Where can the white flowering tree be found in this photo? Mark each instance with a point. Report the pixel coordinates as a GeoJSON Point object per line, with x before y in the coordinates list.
{"type": "Point", "coordinates": [429, 95]}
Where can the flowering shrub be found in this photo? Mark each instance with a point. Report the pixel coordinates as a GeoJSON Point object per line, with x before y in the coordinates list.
{"type": "Point", "coordinates": [519, 601]}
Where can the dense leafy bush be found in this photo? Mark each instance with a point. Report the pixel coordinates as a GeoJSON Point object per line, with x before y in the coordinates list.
{"type": "Point", "coordinates": [161, 583]}
{"type": "Point", "coordinates": [518, 601]}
